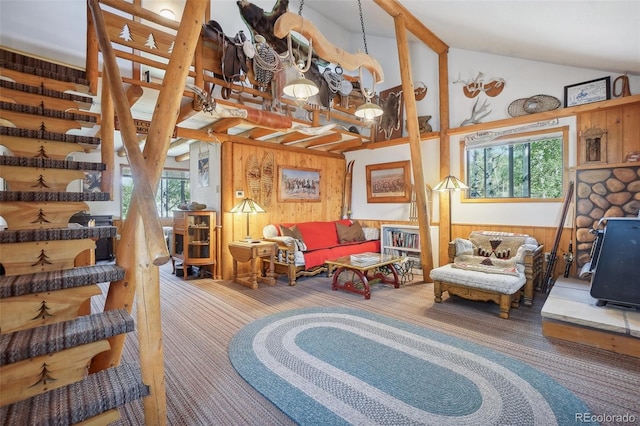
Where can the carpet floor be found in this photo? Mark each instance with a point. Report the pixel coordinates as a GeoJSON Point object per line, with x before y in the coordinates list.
{"type": "Point", "coordinates": [201, 316]}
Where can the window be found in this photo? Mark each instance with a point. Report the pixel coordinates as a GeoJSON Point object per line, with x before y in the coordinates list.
{"type": "Point", "coordinates": [526, 167]}
{"type": "Point", "coordinates": [173, 190]}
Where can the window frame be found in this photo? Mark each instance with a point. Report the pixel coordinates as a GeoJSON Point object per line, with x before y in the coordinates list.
{"type": "Point", "coordinates": [123, 166]}
{"type": "Point", "coordinates": [564, 130]}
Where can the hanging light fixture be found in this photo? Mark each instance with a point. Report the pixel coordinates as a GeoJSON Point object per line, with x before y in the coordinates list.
{"type": "Point", "coordinates": [301, 88]}
{"type": "Point", "coordinates": [367, 111]}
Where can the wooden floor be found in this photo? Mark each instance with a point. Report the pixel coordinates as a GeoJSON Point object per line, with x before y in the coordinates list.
{"type": "Point", "coordinates": [200, 317]}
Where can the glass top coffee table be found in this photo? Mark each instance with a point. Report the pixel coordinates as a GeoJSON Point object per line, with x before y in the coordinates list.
{"type": "Point", "coordinates": [354, 274]}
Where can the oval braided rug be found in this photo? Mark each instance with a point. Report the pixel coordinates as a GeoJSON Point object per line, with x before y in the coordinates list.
{"type": "Point", "coordinates": [330, 366]}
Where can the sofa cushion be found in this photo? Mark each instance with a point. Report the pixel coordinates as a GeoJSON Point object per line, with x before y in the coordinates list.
{"type": "Point", "coordinates": [500, 245]}
{"type": "Point", "coordinates": [504, 284]}
{"type": "Point", "coordinates": [292, 232]}
{"type": "Point", "coordinates": [349, 234]}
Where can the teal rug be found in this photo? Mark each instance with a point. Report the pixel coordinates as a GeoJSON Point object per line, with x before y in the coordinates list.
{"type": "Point", "coordinates": [334, 366]}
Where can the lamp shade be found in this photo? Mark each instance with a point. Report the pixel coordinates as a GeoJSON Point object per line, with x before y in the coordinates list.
{"type": "Point", "coordinates": [247, 205]}
{"type": "Point", "coordinates": [301, 88]}
{"type": "Point", "coordinates": [450, 183]}
{"type": "Point", "coordinates": [368, 111]}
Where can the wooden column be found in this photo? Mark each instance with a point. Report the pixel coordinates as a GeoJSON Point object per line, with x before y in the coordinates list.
{"type": "Point", "coordinates": [445, 157]}
{"type": "Point", "coordinates": [414, 144]}
{"type": "Point", "coordinates": [147, 278]}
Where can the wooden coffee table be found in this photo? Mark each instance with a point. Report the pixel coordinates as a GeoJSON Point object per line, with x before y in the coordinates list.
{"type": "Point", "coordinates": [355, 277]}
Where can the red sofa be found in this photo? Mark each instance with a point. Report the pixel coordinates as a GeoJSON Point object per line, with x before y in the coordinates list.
{"type": "Point", "coordinates": [304, 247]}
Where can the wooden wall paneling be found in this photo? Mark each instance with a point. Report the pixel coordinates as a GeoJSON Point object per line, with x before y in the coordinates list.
{"type": "Point", "coordinates": [234, 159]}
{"type": "Point", "coordinates": [631, 129]}
{"type": "Point", "coordinates": [615, 132]}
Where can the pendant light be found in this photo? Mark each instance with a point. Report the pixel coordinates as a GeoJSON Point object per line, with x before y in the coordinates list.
{"type": "Point", "coordinates": [368, 111]}
{"type": "Point", "coordinates": [301, 88]}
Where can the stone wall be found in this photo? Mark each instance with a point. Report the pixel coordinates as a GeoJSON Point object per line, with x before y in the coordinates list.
{"type": "Point", "coordinates": [603, 192]}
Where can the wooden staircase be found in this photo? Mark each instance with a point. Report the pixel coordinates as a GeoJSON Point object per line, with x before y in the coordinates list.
{"type": "Point", "coordinates": [48, 336]}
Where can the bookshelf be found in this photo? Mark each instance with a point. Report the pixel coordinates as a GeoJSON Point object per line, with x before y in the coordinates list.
{"type": "Point", "coordinates": [401, 240]}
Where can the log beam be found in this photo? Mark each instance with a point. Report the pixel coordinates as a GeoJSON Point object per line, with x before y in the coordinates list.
{"type": "Point", "coordinates": [414, 143]}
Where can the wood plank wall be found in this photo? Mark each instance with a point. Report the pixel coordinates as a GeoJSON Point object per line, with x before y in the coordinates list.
{"type": "Point", "coordinates": [332, 174]}
{"type": "Point", "coordinates": [623, 131]}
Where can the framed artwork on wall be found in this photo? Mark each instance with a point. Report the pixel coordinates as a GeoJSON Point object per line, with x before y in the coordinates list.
{"type": "Point", "coordinates": [388, 182]}
{"type": "Point", "coordinates": [296, 184]}
{"type": "Point", "coordinates": [587, 92]}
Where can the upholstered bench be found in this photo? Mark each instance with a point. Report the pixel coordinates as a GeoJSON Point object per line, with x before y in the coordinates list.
{"type": "Point", "coordinates": [477, 271]}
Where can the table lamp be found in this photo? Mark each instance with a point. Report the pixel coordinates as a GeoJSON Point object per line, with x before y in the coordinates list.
{"type": "Point", "coordinates": [247, 206]}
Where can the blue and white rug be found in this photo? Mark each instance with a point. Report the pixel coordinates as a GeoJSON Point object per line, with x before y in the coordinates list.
{"type": "Point", "coordinates": [332, 366]}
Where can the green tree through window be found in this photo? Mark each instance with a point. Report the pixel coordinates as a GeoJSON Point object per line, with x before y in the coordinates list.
{"type": "Point", "coordinates": [528, 169]}
{"type": "Point", "coordinates": [173, 190]}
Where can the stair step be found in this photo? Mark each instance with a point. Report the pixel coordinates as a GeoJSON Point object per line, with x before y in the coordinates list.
{"type": "Point", "coordinates": [52, 338]}
{"type": "Point", "coordinates": [45, 180]}
{"type": "Point", "coordinates": [45, 112]}
{"type": "Point", "coordinates": [77, 232]}
{"type": "Point", "coordinates": [39, 162]}
{"type": "Point", "coordinates": [98, 393]}
{"type": "Point", "coordinates": [57, 280]}
{"type": "Point", "coordinates": [22, 215]}
{"type": "Point", "coordinates": [82, 102]}
{"type": "Point", "coordinates": [42, 196]}
{"type": "Point", "coordinates": [48, 136]}
{"type": "Point", "coordinates": [41, 68]}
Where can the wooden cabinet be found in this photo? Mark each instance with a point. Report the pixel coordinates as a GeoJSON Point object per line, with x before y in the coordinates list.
{"type": "Point", "coordinates": [194, 239]}
{"type": "Point", "coordinates": [401, 241]}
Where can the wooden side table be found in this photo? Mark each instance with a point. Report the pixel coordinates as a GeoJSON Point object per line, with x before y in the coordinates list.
{"type": "Point", "coordinates": [243, 251]}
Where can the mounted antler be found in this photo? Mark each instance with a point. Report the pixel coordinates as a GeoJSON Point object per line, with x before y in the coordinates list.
{"type": "Point", "coordinates": [475, 114]}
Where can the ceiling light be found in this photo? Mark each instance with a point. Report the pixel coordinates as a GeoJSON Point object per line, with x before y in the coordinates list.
{"type": "Point", "coordinates": [301, 88]}
{"type": "Point", "coordinates": [368, 111]}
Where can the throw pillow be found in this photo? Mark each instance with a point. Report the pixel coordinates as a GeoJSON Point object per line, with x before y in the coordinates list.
{"type": "Point", "coordinates": [486, 264]}
{"type": "Point", "coordinates": [350, 234]}
{"type": "Point", "coordinates": [291, 232]}
{"type": "Point", "coordinates": [496, 244]}
{"type": "Point", "coordinates": [463, 246]}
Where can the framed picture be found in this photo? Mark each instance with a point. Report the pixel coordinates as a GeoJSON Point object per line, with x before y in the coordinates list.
{"type": "Point", "coordinates": [388, 182]}
{"type": "Point", "coordinates": [390, 123]}
{"type": "Point", "coordinates": [298, 185]}
{"type": "Point", "coordinates": [587, 92]}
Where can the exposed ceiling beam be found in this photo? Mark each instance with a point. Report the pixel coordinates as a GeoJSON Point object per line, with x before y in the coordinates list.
{"type": "Point", "coordinates": [414, 26]}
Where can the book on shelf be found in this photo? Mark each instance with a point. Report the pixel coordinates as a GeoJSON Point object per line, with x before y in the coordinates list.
{"type": "Point", "coordinates": [399, 238]}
